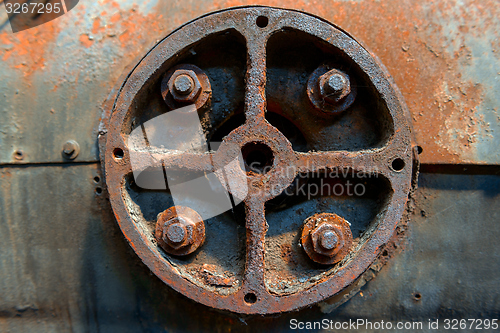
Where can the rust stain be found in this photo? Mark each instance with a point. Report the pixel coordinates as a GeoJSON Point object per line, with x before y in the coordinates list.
{"type": "Point", "coordinates": [412, 44]}
{"type": "Point", "coordinates": [96, 26]}
{"type": "Point", "coordinates": [29, 49]}
{"type": "Point", "coordinates": [86, 40]}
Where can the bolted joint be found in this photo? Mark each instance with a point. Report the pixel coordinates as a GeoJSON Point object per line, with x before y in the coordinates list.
{"type": "Point", "coordinates": [326, 238]}
{"type": "Point", "coordinates": [331, 91]}
{"type": "Point", "coordinates": [334, 86]}
{"type": "Point", "coordinates": [184, 86]}
{"type": "Point", "coordinates": [179, 230]}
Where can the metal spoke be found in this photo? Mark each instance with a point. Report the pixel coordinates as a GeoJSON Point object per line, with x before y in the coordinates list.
{"type": "Point", "coordinates": [256, 226]}
{"type": "Point", "coordinates": [142, 159]}
{"type": "Point", "coordinates": [255, 95]}
{"type": "Point", "coordinates": [370, 161]}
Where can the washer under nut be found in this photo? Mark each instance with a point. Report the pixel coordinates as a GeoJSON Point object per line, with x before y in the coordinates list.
{"type": "Point", "coordinates": [179, 230]}
{"type": "Point", "coordinates": [326, 238]}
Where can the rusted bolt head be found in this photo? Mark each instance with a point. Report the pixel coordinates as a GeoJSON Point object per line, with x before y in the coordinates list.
{"type": "Point", "coordinates": [184, 86]}
{"type": "Point", "coordinates": [326, 238]}
{"type": "Point", "coordinates": [71, 149]}
{"type": "Point", "coordinates": [334, 86]}
{"type": "Point", "coordinates": [327, 234]}
{"type": "Point", "coordinates": [179, 230]}
{"type": "Point", "coordinates": [331, 91]}
{"type": "Point", "coordinates": [337, 83]}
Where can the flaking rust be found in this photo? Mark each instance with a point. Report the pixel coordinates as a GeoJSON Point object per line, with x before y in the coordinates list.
{"type": "Point", "coordinates": [276, 164]}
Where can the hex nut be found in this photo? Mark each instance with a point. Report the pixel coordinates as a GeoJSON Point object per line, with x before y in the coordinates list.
{"type": "Point", "coordinates": [334, 86]}
{"type": "Point", "coordinates": [326, 238]}
{"type": "Point", "coordinates": [179, 230]}
{"type": "Point", "coordinates": [317, 235]}
{"type": "Point", "coordinates": [176, 88]}
{"type": "Point", "coordinates": [185, 84]}
{"type": "Point", "coordinates": [331, 91]}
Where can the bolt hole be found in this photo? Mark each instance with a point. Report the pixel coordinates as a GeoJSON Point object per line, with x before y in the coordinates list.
{"type": "Point", "coordinates": [385, 253]}
{"type": "Point", "coordinates": [258, 157]}
{"type": "Point", "coordinates": [250, 298]}
{"type": "Point", "coordinates": [118, 153]}
{"type": "Point", "coordinates": [97, 179]}
{"type": "Point", "coordinates": [417, 296]}
{"type": "Point", "coordinates": [398, 164]}
{"type": "Point", "coordinates": [98, 190]}
{"type": "Point", "coordinates": [262, 21]}
{"type": "Point", "coordinates": [419, 150]}
{"type": "Point", "coordinates": [18, 154]}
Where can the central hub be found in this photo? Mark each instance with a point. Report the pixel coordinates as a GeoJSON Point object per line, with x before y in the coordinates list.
{"type": "Point", "coordinates": [258, 157]}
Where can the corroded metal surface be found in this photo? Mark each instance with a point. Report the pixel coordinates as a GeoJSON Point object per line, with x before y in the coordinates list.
{"type": "Point", "coordinates": [78, 274]}
{"type": "Point", "coordinates": [389, 157]}
{"type": "Point", "coordinates": [443, 57]}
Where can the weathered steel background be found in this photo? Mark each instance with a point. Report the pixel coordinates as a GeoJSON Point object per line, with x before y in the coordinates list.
{"type": "Point", "coordinates": [65, 265]}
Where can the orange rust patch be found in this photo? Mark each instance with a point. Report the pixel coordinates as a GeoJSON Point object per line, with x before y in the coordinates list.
{"type": "Point", "coordinates": [85, 40]}
{"type": "Point", "coordinates": [413, 45]}
{"type": "Point", "coordinates": [96, 25]}
{"type": "Point", "coordinates": [29, 47]}
{"type": "Point", "coordinates": [115, 18]}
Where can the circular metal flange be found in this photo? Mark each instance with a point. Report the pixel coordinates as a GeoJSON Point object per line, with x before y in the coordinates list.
{"type": "Point", "coordinates": [253, 296]}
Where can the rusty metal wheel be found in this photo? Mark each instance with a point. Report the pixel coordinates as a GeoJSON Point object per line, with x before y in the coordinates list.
{"type": "Point", "coordinates": [238, 267]}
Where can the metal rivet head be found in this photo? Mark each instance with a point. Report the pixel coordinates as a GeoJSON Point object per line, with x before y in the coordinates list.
{"type": "Point", "coordinates": [71, 149]}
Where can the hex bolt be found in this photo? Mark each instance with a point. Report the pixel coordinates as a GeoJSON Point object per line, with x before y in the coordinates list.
{"type": "Point", "coordinates": [68, 148]}
{"type": "Point", "coordinates": [328, 240]}
{"type": "Point", "coordinates": [183, 84]}
{"type": "Point", "coordinates": [71, 149]}
{"type": "Point", "coordinates": [179, 230]}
